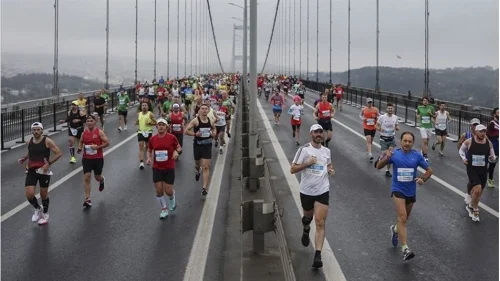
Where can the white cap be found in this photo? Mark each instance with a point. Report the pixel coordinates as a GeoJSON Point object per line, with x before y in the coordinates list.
{"type": "Point", "coordinates": [37, 125]}
{"type": "Point", "coordinates": [161, 120]}
{"type": "Point", "coordinates": [315, 127]}
{"type": "Point", "coordinates": [480, 127]}
{"type": "Point", "coordinates": [369, 100]}
{"type": "Point", "coordinates": [475, 121]}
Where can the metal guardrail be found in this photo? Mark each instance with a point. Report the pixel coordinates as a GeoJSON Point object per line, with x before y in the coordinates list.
{"type": "Point", "coordinates": [16, 122]}
{"type": "Point", "coordinates": [404, 106]}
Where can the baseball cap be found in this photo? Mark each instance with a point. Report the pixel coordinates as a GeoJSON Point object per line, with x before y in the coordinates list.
{"type": "Point", "coordinates": [369, 100]}
{"type": "Point", "coordinates": [161, 120]}
{"type": "Point", "coordinates": [480, 127]}
{"type": "Point", "coordinates": [75, 102]}
{"type": "Point", "coordinates": [175, 105]}
{"type": "Point", "coordinates": [475, 121]}
{"type": "Point", "coordinates": [37, 125]}
{"type": "Point", "coordinates": [315, 127]}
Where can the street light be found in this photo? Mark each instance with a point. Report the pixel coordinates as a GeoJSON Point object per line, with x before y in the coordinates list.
{"type": "Point", "coordinates": [233, 4]}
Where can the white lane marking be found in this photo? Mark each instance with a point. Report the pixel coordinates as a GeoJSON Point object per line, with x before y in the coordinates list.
{"type": "Point", "coordinates": [195, 269]}
{"type": "Point", "coordinates": [434, 177]}
{"type": "Point", "coordinates": [63, 180]}
{"type": "Point", "coordinates": [331, 269]}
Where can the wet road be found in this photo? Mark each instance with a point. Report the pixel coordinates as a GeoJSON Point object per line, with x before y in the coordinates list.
{"type": "Point", "coordinates": [447, 244]}
{"type": "Point", "coordinates": [120, 237]}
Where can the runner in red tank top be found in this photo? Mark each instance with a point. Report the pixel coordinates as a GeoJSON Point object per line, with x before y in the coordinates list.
{"type": "Point", "coordinates": [92, 142]}
{"type": "Point", "coordinates": [177, 120]}
{"type": "Point", "coordinates": [369, 115]}
{"type": "Point", "coordinates": [323, 112]}
{"type": "Point", "coordinates": [339, 92]}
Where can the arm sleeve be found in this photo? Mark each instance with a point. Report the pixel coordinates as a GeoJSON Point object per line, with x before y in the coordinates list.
{"type": "Point", "coordinates": [463, 151]}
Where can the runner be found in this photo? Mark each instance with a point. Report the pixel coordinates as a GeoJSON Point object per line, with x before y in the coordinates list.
{"type": "Point", "coordinates": [93, 141]}
{"type": "Point", "coordinates": [230, 105]}
{"type": "Point", "coordinates": [474, 153]}
{"type": "Point", "coordinates": [404, 186]}
{"type": "Point", "coordinates": [75, 120]}
{"type": "Point", "coordinates": [82, 103]}
{"type": "Point", "coordinates": [314, 162]}
{"type": "Point", "coordinates": [220, 125]}
{"type": "Point", "coordinates": [387, 124]}
{"type": "Point", "coordinates": [493, 137]}
{"type": "Point", "coordinates": [99, 104]}
{"type": "Point", "coordinates": [145, 121]}
{"type": "Point", "coordinates": [425, 113]}
{"type": "Point", "coordinates": [39, 162]}
{"type": "Point", "coordinates": [123, 101]}
{"type": "Point", "coordinates": [277, 101]}
{"type": "Point", "coordinates": [203, 131]}
{"type": "Point", "coordinates": [339, 93]}
{"type": "Point", "coordinates": [323, 113]}
{"type": "Point", "coordinates": [296, 111]}
{"type": "Point", "coordinates": [166, 150]}
{"type": "Point", "coordinates": [369, 115]}
{"type": "Point", "coordinates": [465, 136]}
{"type": "Point", "coordinates": [177, 120]}
{"type": "Point", "coordinates": [442, 118]}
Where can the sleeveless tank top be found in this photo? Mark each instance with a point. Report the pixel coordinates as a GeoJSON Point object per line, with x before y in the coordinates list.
{"type": "Point", "coordinates": [144, 119]}
{"type": "Point", "coordinates": [369, 118]}
{"type": "Point", "coordinates": [37, 153]}
{"type": "Point", "coordinates": [325, 110]}
{"type": "Point", "coordinates": [206, 133]}
{"type": "Point", "coordinates": [477, 155]}
{"type": "Point", "coordinates": [90, 138]}
{"type": "Point", "coordinates": [176, 122]}
{"type": "Point", "coordinates": [441, 120]}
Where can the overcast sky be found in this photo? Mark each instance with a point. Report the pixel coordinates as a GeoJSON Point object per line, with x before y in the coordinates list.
{"type": "Point", "coordinates": [462, 32]}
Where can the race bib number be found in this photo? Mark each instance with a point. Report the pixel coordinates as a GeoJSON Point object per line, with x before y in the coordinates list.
{"type": "Point", "coordinates": [145, 134]}
{"type": "Point", "coordinates": [89, 150]}
{"type": "Point", "coordinates": [370, 122]}
{"type": "Point", "coordinates": [426, 120]}
{"type": "Point", "coordinates": [389, 132]}
{"type": "Point", "coordinates": [405, 174]}
{"type": "Point", "coordinates": [205, 132]}
{"type": "Point", "coordinates": [176, 127]}
{"type": "Point", "coordinates": [325, 113]}
{"type": "Point", "coordinates": [478, 160]}
{"type": "Point", "coordinates": [161, 155]}
{"type": "Point", "coordinates": [40, 172]}
{"type": "Point", "coordinates": [296, 117]}
{"type": "Point", "coordinates": [74, 132]}
{"type": "Point", "coordinates": [442, 126]}
{"type": "Point", "coordinates": [317, 169]}
{"type": "Point", "coordinates": [122, 102]}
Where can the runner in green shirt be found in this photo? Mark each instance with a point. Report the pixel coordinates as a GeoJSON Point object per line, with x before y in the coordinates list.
{"type": "Point", "coordinates": [425, 115]}
{"type": "Point", "coordinates": [167, 105]}
{"type": "Point", "coordinates": [123, 101]}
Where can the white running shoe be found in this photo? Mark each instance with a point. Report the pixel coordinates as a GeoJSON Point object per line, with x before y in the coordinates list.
{"type": "Point", "coordinates": [37, 215]}
{"type": "Point", "coordinates": [44, 219]}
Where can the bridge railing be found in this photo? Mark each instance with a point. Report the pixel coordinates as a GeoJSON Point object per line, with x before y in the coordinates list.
{"type": "Point", "coordinates": [405, 106]}
{"type": "Point", "coordinates": [16, 119]}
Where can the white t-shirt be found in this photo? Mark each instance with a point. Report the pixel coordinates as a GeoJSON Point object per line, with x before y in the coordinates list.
{"type": "Point", "coordinates": [295, 111]}
{"type": "Point", "coordinates": [314, 179]}
{"type": "Point", "coordinates": [175, 92]}
{"type": "Point", "coordinates": [141, 91]}
{"type": "Point", "coordinates": [388, 125]}
{"type": "Point", "coordinates": [222, 118]}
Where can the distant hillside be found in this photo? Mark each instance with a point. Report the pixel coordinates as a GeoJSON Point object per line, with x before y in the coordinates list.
{"type": "Point", "coordinates": [39, 85]}
{"type": "Point", "coordinates": [473, 85]}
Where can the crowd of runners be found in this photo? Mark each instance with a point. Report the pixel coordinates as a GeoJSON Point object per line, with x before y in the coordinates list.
{"type": "Point", "coordinates": [202, 107]}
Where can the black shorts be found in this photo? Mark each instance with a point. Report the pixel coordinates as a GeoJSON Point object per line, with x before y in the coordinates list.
{"type": "Point", "coordinates": [369, 132]}
{"type": "Point", "coordinates": [95, 165]}
{"type": "Point", "coordinates": [441, 133]}
{"type": "Point", "coordinates": [301, 96]}
{"type": "Point", "coordinates": [477, 176]}
{"type": "Point", "coordinates": [100, 111]}
{"type": "Point", "coordinates": [123, 113]}
{"type": "Point", "coordinates": [326, 124]}
{"type": "Point", "coordinates": [141, 137]}
{"type": "Point", "coordinates": [409, 200]}
{"type": "Point", "coordinates": [79, 132]}
{"type": "Point", "coordinates": [307, 201]}
{"type": "Point", "coordinates": [32, 178]}
{"type": "Point", "coordinates": [220, 129]}
{"type": "Point", "coordinates": [202, 152]}
{"type": "Point", "coordinates": [166, 176]}
{"type": "Point", "coordinates": [188, 102]}
{"type": "Point", "coordinates": [180, 138]}
{"type": "Point", "coordinates": [295, 127]}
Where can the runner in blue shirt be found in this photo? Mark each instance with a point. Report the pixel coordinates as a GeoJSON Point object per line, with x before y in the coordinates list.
{"type": "Point", "coordinates": [405, 161]}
